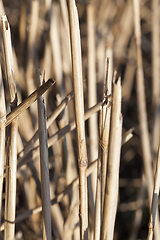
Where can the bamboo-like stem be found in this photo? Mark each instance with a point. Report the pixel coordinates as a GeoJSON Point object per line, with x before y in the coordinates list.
{"type": "Point", "coordinates": [2, 136]}
{"type": "Point", "coordinates": [44, 166]}
{"type": "Point", "coordinates": [28, 101]}
{"type": "Point", "coordinates": [11, 170]}
{"type": "Point", "coordinates": [146, 151]}
{"type": "Point", "coordinates": [79, 115]}
{"type": "Point", "coordinates": [92, 94]}
{"type": "Point", "coordinates": [154, 199]}
{"type": "Point", "coordinates": [112, 181]}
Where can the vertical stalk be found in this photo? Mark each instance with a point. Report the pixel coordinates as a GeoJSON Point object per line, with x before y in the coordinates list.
{"type": "Point", "coordinates": [45, 184]}
{"type": "Point", "coordinates": [79, 116]}
{"type": "Point", "coordinates": [146, 151]}
{"type": "Point", "coordinates": [2, 136]}
{"type": "Point", "coordinates": [112, 181]}
{"type": "Point", "coordinates": [97, 219]}
{"type": "Point", "coordinates": [155, 52]}
{"type": "Point", "coordinates": [154, 199]}
{"type": "Point", "coordinates": [11, 168]}
{"type": "Point", "coordinates": [155, 78]}
{"type": "Point", "coordinates": [92, 95]}
{"type": "Point", "coordinates": [106, 115]}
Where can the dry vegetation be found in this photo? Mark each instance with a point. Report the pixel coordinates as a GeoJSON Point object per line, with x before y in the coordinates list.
{"type": "Point", "coordinates": [85, 75]}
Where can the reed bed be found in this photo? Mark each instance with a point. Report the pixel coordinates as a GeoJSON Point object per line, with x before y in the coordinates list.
{"type": "Point", "coordinates": [79, 120]}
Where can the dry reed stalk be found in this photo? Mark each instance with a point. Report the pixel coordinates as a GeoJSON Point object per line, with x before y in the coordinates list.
{"type": "Point", "coordinates": [79, 115]}
{"type": "Point", "coordinates": [92, 92]}
{"type": "Point", "coordinates": [11, 169]}
{"type": "Point", "coordinates": [154, 199]}
{"type": "Point", "coordinates": [31, 41]}
{"type": "Point", "coordinates": [34, 16]}
{"type": "Point", "coordinates": [97, 219]}
{"type": "Point", "coordinates": [2, 10]}
{"type": "Point", "coordinates": [74, 196]}
{"type": "Point", "coordinates": [2, 137]}
{"type": "Point", "coordinates": [155, 132]}
{"type": "Point", "coordinates": [71, 174]}
{"type": "Point", "coordinates": [146, 152]}
{"type": "Point", "coordinates": [101, 60]}
{"type": "Point", "coordinates": [28, 101]}
{"type": "Point", "coordinates": [56, 47]}
{"type": "Point", "coordinates": [55, 209]}
{"type": "Point", "coordinates": [66, 47]}
{"type": "Point", "coordinates": [106, 115]}
{"type": "Point", "coordinates": [155, 52]}
{"type": "Point", "coordinates": [46, 211]}
{"type": "Point", "coordinates": [155, 81]}
{"type": "Point", "coordinates": [70, 168]}
{"type": "Point", "coordinates": [46, 63]}
{"type": "Point", "coordinates": [112, 181]}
